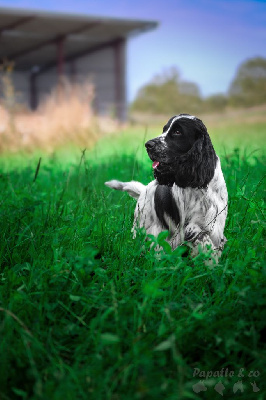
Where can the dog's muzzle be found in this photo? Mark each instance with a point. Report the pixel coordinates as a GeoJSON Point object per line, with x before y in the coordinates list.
{"type": "Point", "coordinates": [156, 151]}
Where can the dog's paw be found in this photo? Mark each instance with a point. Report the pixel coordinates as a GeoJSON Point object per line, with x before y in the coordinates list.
{"type": "Point", "coordinates": [114, 184]}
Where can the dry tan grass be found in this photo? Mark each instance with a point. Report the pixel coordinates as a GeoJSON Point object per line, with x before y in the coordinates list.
{"type": "Point", "coordinates": [66, 116]}
{"type": "Point", "coordinates": [229, 116]}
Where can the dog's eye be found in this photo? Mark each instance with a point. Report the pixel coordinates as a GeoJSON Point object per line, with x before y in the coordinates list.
{"type": "Point", "coordinates": [176, 133]}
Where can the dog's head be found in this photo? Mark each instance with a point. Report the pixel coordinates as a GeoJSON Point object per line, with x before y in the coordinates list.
{"type": "Point", "coordinates": [183, 154]}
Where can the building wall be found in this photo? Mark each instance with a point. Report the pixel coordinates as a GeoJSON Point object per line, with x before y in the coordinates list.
{"type": "Point", "coordinates": [105, 69]}
{"type": "Point", "coordinates": [99, 68]}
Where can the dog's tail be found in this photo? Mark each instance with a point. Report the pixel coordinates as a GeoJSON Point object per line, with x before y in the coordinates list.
{"type": "Point", "coordinates": [133, 188]}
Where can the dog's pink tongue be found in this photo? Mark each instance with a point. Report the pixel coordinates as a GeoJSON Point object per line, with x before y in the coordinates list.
{"type": "Point", "coordinates": [155, 164]}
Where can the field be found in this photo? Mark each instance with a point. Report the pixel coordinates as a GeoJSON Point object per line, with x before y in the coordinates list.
{"type": "Point", "coordinates": [88, 313]}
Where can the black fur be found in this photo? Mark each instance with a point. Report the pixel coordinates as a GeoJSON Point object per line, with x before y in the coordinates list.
{"type": "Point", "coordinates": [165, 204]}
{"type": "Point", "coordinates": [186, 155]}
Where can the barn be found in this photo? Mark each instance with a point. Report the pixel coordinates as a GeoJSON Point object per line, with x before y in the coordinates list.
{"type": "Point", "coordinates": [44, 47]}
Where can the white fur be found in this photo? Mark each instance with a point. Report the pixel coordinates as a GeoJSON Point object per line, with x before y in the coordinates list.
{"type": "Point", "coordinates": [133, 188]}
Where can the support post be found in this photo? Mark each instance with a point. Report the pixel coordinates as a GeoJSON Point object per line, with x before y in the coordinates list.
{"type": "Point", "coordinates": [120, 86]}
{"type": "Point", "coordinates": [60, 56]}
{"type": "Point", "coordinates": [60, 65]}
{"type": "Point", "coordinates": [73, 72]}
{"type": "Point", "coordinates": [33, 91]}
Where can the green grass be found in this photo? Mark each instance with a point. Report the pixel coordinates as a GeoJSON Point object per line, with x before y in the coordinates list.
{"type": "Point", "coordinates": [88, 313]}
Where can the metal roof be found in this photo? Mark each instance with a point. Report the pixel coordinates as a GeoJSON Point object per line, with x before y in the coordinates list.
{"type": "Point", "coordinates": [28, 37]}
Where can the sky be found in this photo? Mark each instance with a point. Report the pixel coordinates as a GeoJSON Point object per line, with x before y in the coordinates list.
{"type": "Point", "coordinates": [205, 39]}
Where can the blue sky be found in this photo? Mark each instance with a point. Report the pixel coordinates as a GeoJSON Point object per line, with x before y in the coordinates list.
{"type": "Point", "coordinates": [205, 39]}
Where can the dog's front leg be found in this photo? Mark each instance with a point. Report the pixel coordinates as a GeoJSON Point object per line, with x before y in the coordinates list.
{"type": "Point", "coordinates": [200, 240]}
{"type": "Point", "coordinates": [133, 188]}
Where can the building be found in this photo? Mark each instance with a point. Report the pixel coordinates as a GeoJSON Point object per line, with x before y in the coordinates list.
{"type": "Point", "coordinates": [46, 46]}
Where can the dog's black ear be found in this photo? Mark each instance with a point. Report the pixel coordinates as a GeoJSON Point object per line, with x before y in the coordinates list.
{"type": "Point", "coordinates": [196, 168]}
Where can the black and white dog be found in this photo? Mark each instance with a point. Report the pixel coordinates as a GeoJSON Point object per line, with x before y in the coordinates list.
{"type": "Point", "coordinates": [188, 196]}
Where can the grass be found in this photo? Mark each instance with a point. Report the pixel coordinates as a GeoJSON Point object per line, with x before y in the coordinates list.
{"type": "Point", "coordinates": [88, 313]}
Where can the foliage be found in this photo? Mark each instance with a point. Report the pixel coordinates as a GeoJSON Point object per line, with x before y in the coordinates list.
{"type": "Point", "coordinates": [166, 93]}
{"type": "Point", "coordinates": [248, 88]}
{"type": "Point", "coordinates": [7, 90]}
{"type": "Point", "coordinates": [88, 313]}
{"type": "Point", "coordinates": [216, 102]}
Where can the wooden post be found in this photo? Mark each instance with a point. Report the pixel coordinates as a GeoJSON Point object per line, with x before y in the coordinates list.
{"type": "Point", "coordinates": [33, 91]}
{"type": "Point", "coordinates": [60, 65]}
{"type": "Point", "coordinates": [60, 56]}
{"type": "Point", "coordinates": [120, 96]}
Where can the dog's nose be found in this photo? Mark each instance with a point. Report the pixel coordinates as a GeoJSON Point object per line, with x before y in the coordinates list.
{"type": "Point", "coordinates": [150, 144]}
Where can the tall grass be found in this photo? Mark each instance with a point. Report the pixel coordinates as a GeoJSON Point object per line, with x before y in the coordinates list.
{"type": "Point", "coordinates": [65, 117]}
{"type": "Point", "coordinates": [88, 313]}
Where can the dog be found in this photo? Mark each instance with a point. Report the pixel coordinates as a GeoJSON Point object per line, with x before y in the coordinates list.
{"type": "Point", "coordinates": [188, 196]}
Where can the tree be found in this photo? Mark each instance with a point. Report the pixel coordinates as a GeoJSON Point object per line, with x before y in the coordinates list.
{"type": "Point", "coordinates": [167, 93]}
{"type": "Point", "coordinates": [215, 103]}
{"type": "Point", "coordinates": [248, 88]}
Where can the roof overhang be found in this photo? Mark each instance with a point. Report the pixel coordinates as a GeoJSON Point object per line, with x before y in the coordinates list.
{"type": "Point", "coordinates": [29, 37]}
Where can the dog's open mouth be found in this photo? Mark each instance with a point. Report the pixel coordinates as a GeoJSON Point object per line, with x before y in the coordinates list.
{"type": "Point", "coordinates": [155, 164]}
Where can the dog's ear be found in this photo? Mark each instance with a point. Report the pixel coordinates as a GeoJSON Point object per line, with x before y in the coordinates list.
{"type": "Point", "coordinates": [196, 168]}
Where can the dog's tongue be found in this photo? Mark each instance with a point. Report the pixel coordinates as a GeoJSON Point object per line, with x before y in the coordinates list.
{"type": "Point", "coordinates": [155, 164]}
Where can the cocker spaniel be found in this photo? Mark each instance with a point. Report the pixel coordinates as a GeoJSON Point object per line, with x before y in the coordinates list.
{"type": "Point", "coordinates": [188, 196]}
